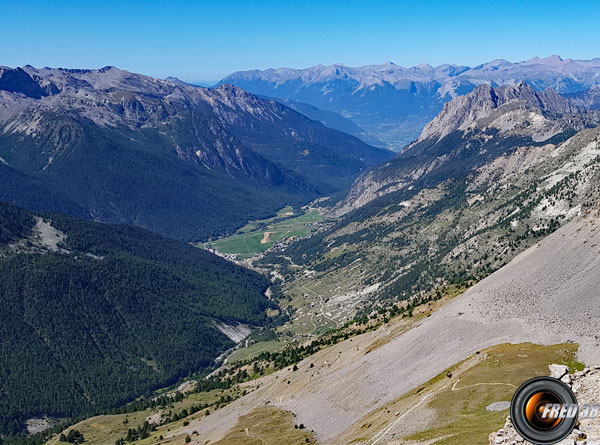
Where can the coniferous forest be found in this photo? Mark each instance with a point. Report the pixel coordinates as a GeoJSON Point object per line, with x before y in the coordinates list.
{"type": "Point", "coordinates": [112, 314]}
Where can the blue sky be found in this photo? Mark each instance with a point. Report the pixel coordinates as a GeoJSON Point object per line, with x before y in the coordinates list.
{"type": "Point", "coordinates": [202, 40]}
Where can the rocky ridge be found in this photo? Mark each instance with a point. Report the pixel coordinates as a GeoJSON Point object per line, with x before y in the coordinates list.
{"type": "Point", "coordinates": [221, 119]}
{"type": "Point", "coordinates": [472, 130]}
{"type": "Point", "coordinates": [483, 107]}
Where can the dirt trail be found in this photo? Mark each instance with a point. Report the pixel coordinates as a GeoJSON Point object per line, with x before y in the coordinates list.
{"type": "Point", "coordinates": [253, 437]}
{"type": "Point", "coordinates": [265, 238]}
{"type": "Point", "coordinates": [321, 308]}
{"type": "Point", "coordinates": [379, 436]}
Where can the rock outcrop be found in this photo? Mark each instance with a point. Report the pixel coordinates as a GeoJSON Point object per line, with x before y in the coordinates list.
{"type": "Point", "coordinates": [473, 130]}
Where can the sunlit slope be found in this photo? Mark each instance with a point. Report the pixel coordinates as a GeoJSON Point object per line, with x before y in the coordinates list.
{"type": "Point", "coordinates": [546, 296]}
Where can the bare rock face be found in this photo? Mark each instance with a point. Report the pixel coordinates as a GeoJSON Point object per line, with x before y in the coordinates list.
{"type": "Point", "coordinates": [465, 112]}
{"type": "Point", "coordinates": [586, 386]}
{"type": "Point", "coordinates": [472, 130]}
{"type": "Point", "coordinates": [18, 81]}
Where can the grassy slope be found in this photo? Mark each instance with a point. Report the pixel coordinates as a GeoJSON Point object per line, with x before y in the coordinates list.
{"type": "Point", "coordinates": [267, 425]}
{"type": "Point", "coordinates": [102, 430]}
{"type": "Point", "coordinates": [255, 349]}
{"type": "Point", "coordinates": [271, 424]}
{"type": "Point", "coordinates": [459, 404]}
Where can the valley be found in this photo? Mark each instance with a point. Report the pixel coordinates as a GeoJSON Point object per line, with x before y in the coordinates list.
{"type": "Point", "coordinates": [257, 277]}
{"type": "Point", "coordinates": [356, 390]}
{"type": "Point", "coordinates": [373, 371]}
{"type": "Point", "coordinates": [512, 205]}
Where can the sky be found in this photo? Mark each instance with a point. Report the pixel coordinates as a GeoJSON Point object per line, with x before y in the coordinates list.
{"type": "Point", "coordinates": [206, 40]}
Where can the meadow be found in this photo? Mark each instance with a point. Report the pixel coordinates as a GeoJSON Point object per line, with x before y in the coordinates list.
{"type": "Point", "coordinates": [260, 235]}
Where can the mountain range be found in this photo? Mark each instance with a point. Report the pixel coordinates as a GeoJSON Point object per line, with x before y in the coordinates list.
{"type": "Point", "coordinates": [114, 146]}
{"type": "Point", "coordinates": [392, 104]}
{"type": "Point", "coordinates": [495, 171]}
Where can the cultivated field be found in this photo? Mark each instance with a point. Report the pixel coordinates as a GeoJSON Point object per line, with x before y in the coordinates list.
{"type": "Point", "coordinates": [258, 236]}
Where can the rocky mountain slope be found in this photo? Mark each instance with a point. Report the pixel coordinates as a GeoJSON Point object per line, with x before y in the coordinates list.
{"type": "Point", "coordinates": [589, 99]}
{"type": "Point", "coordinates": [460, 208]}
{"type": "Point", "coordinates": [472, 130]}
{"type": "Point", "coordinates": [330, 119]}
{"type": "Point", "coordinates": [93, 143]}
{"type": "Point", "coordinates": [393, 103]}
{"type": "Point", "coordinates": [97, 315]}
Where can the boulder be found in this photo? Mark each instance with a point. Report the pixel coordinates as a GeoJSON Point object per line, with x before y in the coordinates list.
{"type": "Point", "coordinates": [558, 371]}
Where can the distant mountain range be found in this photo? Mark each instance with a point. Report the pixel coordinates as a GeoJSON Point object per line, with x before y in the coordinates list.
{"type": "Point", "coordinates": [392, 104]}
{"type": "Point", "coordinates": [181, 160]}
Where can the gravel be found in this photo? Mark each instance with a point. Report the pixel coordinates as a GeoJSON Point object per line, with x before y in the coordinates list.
{"type": "Point", "coordinates": [498, 406]}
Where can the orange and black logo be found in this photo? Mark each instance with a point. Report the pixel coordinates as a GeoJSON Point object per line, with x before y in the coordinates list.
{"type": "Point", "coordinates": [544, 411]}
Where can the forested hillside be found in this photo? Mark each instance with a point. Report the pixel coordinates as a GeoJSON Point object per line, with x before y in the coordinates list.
{"type": "Point", "coordinates": [94, 315]}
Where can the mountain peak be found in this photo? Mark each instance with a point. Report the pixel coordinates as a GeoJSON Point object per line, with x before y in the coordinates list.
{"type": "Point", "coordinates": [552, 60]}
{"type": "Point", "coordinates": [17, 80]}
{"type": "Point", "coordinates": [424, 66]}
{"type": "Point", "coordinates": [229, 88]}
{"type": "Point", "coordinates": [465, 112]}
